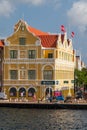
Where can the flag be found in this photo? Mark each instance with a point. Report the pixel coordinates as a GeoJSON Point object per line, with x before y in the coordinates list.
{"type": "Point", "coordinates": [72, 34]}
{"type": "Point", "coordinates": [63, 28]}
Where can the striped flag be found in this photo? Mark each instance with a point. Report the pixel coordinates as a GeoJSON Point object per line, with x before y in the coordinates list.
{"type": "Point", "coordinates": [63, 28]}
{"type": "Point", "coordinates": [72, 34]}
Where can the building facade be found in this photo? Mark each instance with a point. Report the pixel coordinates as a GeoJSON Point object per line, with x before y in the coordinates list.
{"type": "Point", "coordinates": [79, 63]}
{"type": "Point", "coordinates": [37, 63]}
{"type": "Point", "coordinates": [1, 64]}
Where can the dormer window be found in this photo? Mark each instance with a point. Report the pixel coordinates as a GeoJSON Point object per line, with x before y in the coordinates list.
{"type": "Point", "coordinates": [22, 41]}
{"type": "Point", "coordinates": [50, 55]}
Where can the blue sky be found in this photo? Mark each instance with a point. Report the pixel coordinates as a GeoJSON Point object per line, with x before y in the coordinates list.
{"type": "Point", "coordinates": [48, 16]}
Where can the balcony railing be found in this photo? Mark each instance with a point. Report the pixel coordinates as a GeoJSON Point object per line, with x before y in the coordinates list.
{"type": "Point", "coordinates": [26, 60]}
{"type": "Point", "coordinates": [21, 82]}
{"type": "Point", "coordinates": [38, 60]}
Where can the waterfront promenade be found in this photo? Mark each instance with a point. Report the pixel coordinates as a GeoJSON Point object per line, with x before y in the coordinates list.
{"type": "Point", "coordinates": [80, 104]}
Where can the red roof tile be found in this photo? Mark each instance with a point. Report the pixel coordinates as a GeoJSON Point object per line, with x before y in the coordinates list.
{"type": "Point", "coordinates": [36, 32]}
{"type": "Point", "coordinates": [49, 40]}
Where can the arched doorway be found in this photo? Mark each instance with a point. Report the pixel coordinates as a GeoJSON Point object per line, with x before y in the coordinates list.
{"type": "Point", "coordinates": [13, 92]}
{"type": "Point", "coordinates": [22, 92]}
{"type": "Point", "coordinates": [48, 91]}
{"type": "Point", "coordinates": [31, 92]}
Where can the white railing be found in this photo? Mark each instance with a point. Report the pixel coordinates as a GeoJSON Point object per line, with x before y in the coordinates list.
{"type": "Point", "coordinates": [21, 82]}
{"type": "Point", "coordinates": [26, 60]}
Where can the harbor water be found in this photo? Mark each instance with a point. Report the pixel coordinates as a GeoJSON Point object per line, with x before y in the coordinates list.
{"type": "Point", "coordinates": [42, 119]}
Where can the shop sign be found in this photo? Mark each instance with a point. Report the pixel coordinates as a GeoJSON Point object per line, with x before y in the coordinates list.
{"type": "Point", "coordinates": [49, 82]}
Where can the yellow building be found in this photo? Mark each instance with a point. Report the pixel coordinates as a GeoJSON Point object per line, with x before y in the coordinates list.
{"type": "Point", "coordinates": [37, 63]}
{"type": "Point", "coordinates": [1, 66]}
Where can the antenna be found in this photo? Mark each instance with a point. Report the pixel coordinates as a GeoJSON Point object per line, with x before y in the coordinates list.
{"type": "Point", "coordinates": [23, 16]}
{"type": "Point", "coordinates": [69, 29]}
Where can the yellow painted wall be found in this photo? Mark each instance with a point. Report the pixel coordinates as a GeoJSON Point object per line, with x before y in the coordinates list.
{"type": "Point", "coordinates": [59, 73]}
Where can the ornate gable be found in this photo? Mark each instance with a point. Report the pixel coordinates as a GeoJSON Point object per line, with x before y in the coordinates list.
{"type": "Point", "coordinates": [64, 43]}
{"type": "Point", "coordinates": [21, 34]}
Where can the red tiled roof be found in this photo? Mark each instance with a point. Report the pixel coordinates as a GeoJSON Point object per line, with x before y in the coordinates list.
{"type": "Point", "coordinates": [36, 32]}
{"type": "Point", "coordinates": [1, 43]}
{"type": "Point", "coordinates": [49, 40]}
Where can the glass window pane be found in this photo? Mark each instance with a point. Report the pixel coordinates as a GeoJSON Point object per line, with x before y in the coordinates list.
{"type": "Point", "coordinates": [22, 41]}
{"type": "Point", "coordinates": [31, 74]}
{"type": "Point", "coordinates": [50, 55]}
{"type": "Point", "coordinates": [48, 74]}
{"type": "Point", "coordinates": [32, 54]}
{"type": "Point", "coordinates": [13, 53]}
{"type": "Point", "coordinates": [13, 74]}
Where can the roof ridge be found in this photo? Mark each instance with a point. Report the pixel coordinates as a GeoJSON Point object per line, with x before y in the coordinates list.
{"type": "Point", "coordinates": [36, 31]}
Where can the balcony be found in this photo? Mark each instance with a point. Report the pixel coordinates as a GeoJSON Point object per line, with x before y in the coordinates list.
{"type": "Point", "coordinates": [21, 82]}
{"type": "Point", "coordinates": [26, 60]}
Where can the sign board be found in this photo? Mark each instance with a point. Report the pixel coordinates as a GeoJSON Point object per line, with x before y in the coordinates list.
{"type": "Point", "coordinates": [52, 82]}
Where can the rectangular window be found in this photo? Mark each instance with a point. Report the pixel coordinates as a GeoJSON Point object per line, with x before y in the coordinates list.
{"type": "Point", "coordinates": [66, 82]}
{"type": "Point", "coordinates": [31, 74]}
{"type": "Point", "coordinates": [32, 54]}
{"type": "Point", "coordinates": [22, 41]}
{"type": "Point", "coordinates": [13, 74]}
{"type": "Point", "coordinates": [48, 74]}
{"type": "Point", "coordinates": [50, 55]}
{"type": "Point", "coordinates": [13, 54]}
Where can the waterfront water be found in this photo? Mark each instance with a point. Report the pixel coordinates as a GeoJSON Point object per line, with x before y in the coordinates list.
{"type": "Point", "coordinates": [42, 119]}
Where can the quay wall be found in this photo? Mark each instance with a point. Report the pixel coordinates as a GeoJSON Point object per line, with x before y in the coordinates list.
{"type": "Point", "coordinates": [43, 105]}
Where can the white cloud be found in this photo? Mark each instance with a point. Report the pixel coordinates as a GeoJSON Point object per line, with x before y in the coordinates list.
{"type": "Point", "coordinates": [6, 8]}
{"type": "Point", "coordinates": [40, 2]}
{"type": "Point", "coordinates": [33, 2]}
{"type": "Point", "coordinates": [55, 3]}
{"type": "Point", "coordinates": [78, 14]}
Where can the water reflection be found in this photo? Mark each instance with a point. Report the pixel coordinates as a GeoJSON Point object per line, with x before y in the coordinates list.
{"type": "Point", "coordinates": [36, 119]}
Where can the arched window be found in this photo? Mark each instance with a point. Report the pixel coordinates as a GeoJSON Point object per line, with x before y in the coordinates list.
{"type": "Point", "coordinates": [31, 92]}
{"type": "Point", "coordinates": [48, 72]}
{"type": "Point", "coordinates": [22, 92]}
{"type": "Point", "coordinates": [13, 92]}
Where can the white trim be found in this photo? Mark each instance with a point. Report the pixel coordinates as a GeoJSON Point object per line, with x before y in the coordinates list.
{"type": "Point", "coordinates": [12, 87]}
{"type": "Point", "coordinates": [47, 65]}
{"type": "Point", "coordinates": [32, 87]}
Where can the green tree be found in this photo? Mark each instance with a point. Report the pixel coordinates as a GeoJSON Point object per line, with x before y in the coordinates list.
{"type": "Point", "coordinates": [80, 77]}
